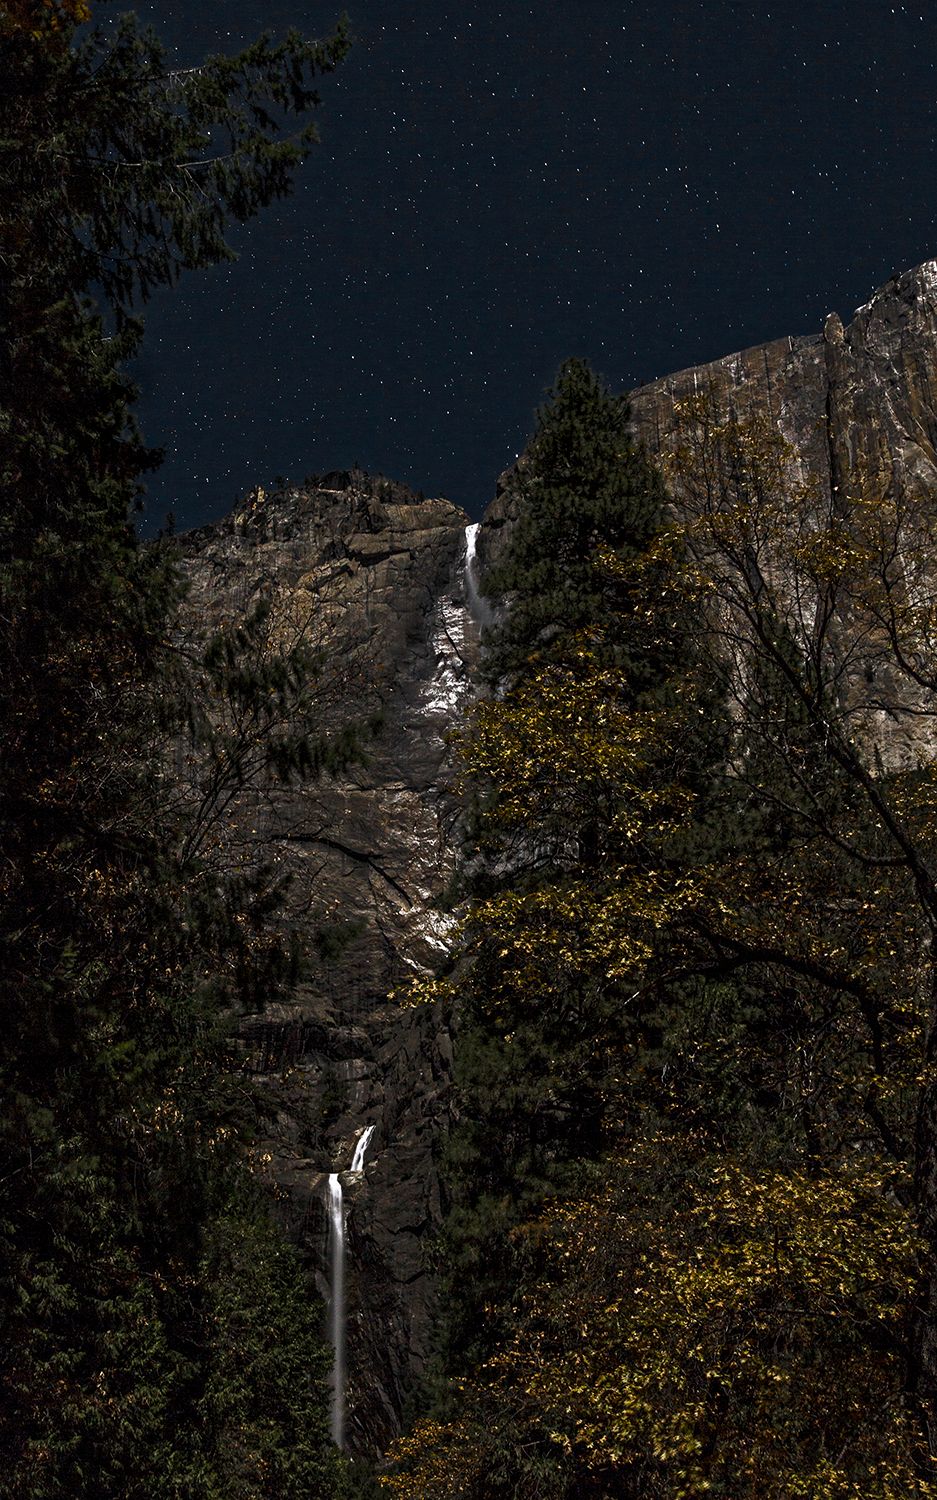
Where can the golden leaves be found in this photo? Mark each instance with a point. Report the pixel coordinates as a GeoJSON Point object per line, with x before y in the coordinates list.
{"type": "Point", "coordinates": [700, 1318]}
{"type": "Point", "coordinates": [41, 17]}
{"type": "Point", "coordinates": [711, 1328]}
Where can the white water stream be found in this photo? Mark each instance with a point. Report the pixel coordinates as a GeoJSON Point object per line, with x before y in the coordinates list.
{"type": "Point", "coordinates": [337, 1286]}
{"type": "Point", "coordinates": [364, 1141]}
{"type": "Point", "coordinates": [337, 1306]}
{"type": "Point", "coordinates": [477, 606]}
{"type": "Point", "coordinates": [444, 694]}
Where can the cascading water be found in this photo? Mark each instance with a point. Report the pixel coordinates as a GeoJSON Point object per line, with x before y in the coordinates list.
{"type": "Point", "coordinates": [478, 607]}
{"type": "Point", "coordinates": [337, 1306]}
{"type": "Point", "coordinates": [364, 1141]}
{"type": "Point", "coordinates": [337, 1285]}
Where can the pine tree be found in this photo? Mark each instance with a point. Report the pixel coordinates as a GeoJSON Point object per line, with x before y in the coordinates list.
{"type": "Point", "coordinates": [584, 768]}
{"type": "Point", "coordinates": [582, 487]}
{"type": "Point", "coordinates": [134, 1359]}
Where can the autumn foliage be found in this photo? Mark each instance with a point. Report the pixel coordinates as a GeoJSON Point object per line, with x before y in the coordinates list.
{"type": "Point", "coordinates": [691, 1233]}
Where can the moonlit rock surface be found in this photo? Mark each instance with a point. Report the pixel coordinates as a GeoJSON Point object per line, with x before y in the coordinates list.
{"type": "Point", "coordinates": [456, 621]}
{"type": "Point", "coordinates": [850, 402]}
{"type": "Point", "coordinates": [374, 574]}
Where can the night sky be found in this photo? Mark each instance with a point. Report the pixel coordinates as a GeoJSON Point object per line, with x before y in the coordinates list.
{"type": "Point", "coordinates": [503, 185]}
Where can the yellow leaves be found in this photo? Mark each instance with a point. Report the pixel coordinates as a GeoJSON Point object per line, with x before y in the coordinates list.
{"type": "Point", "coordinates": [575, 931]}
{"type": "Point", "coordinates": [423, 990]}
{"type": "Point", "coordinates": [719, 1328]}
{"type": "Point", "coordinates": [438, 1461]}
{"type": "Point", "coordinates": [567, 744]}
{"type": "Point", "coordinates": [40, 17]}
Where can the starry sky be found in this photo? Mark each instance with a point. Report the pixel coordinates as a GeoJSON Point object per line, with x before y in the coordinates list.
{"type": "Point", "coordinates": [649, 184]}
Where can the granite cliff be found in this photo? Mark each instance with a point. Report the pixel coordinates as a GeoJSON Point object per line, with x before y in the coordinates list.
{"type": "Point", "coordinates": [377, 576]}
{"type": "Point", "coordinates": [373, 577]}
{"type": "Point", "coordinates": [851, 397]}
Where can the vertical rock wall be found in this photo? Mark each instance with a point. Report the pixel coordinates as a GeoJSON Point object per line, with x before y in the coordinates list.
{"type": "Point", "coordinates": [371, 575]}
{"type": "Point", "coordinates": [853, 399]}
{"type": "Point", "coordinates": [857, 408]}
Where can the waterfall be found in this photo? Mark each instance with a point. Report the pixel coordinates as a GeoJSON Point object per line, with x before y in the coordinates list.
{"type": "Point", "coordinates": [337, 1306]}
{"type": "Point", "coordinates": [364, 1140]}
{"type": "Point", "coordinates": [478, 607]}
{"type": "Point", "coordinates": [337, 1285]}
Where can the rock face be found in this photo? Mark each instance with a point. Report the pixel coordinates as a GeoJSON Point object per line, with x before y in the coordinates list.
{"type": "Point", "coordinates": [860, 398]}
{"type": "Point", "coordinates": [854, 399]}
{"type": "Point", "coordinates": [372, 576]}
{"type": "Point", "coordinates": [375, 575]}
{"type": "Point", "coordinates": [857, 409]}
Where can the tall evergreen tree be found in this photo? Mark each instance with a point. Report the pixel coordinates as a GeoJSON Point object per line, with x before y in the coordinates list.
{"type": "Point", "coordinates": [134, 1357]}
{"type": "Point", "coordinates": [582, 487]}
{"type": "Point", "coordinates": [583, 768]}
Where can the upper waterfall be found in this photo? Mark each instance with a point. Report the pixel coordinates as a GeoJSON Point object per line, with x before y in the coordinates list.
{"type": "Point", "coordinates": [361, 1146]}
{"type": "Point", "coordinates": [478, 607]}
{"type": "Point", "coordinates": [453, 639]}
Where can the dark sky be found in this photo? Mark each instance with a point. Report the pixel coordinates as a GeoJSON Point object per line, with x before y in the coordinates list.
{"type": "Point", "coordinates": [499, 186]}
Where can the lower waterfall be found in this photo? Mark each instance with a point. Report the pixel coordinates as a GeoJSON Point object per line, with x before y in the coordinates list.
{"type": "Point", "coordinates": [337, 1306]}
{"type": "Point", "coordinates": [337, 1286]}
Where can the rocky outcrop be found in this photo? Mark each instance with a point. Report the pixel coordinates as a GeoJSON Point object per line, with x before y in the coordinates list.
{"type": "Point", "coordinates": [371, 577]}
{"type": "Point", "coordinates": [853, 399]}
{"type": "Point", "coordinates": [856, 407]}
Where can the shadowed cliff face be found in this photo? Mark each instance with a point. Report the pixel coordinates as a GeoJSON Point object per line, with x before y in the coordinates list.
{"type": "Point", "coordinates": [374, 576]}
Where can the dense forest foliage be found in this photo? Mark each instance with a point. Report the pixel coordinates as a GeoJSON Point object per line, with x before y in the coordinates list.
{"type": "Point", "coordinates": [689, 1243]}
{"type": "Point", "coordinates": [691, 1181]}
{"type": "Point", "coordinates": [158, 1334]}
